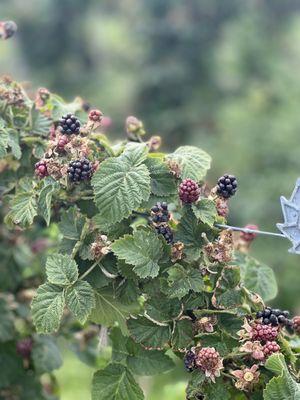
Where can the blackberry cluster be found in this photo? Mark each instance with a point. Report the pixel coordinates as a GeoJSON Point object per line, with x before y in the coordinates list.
{"type": "Point", "coordinates": [24, 347]}
{"type": "Point", "coordinates": [227, 186]}
{"type": "Point", "coordinates": [274, 317]}
{"type": "Point", "coordinates": [264, 333]}
{"type": "Point", "coordinates": [41, 169]}
{"type": "Point", "coordinates": [95, 115]}
{"type": "Point", "coordinates": [160, 213]}
{"type": "Point", "coordinates": [80, 170]}
{"type": "Point", "coordinates": [69, 124]}
{"type": "Point", "coordinates": [270, 348]}
{"type": "Point", "coordinates": [62, 141]}
{"type": "Point", "coordinates": [166, 231]}
{"type": "Point", "coordinates": [189, 361]}
{"type": "Point", "coordinates": [189, 191]}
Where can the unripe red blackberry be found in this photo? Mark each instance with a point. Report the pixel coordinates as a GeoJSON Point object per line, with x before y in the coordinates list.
{"type": "Point", "coordinates": [227, 186]}
{"type": "Point", "coordinates": [263, 332]}
{"type": "Point", "coordinates": [69, 124]}
{"type": "Point", "coordinates": [209, 361]}
{"type": "Point", "coordinates": [189, 360]}
{"type": "Point", "coordinates": [24, 347]}
{"type": "Point", "coordinates": [249, 236]}
{"type": "Point", "coordinates": [62, 141]}
{"type": "Point", "coordinates": [189, 191]}
{"type": "Point", "coordinates": [270, 348]}
{"type": "Point", "coordinates": [80, 170]}
{"type": "Point", "coordinates": [160, 213]}
{"type": "Point", "coordinates": [41, 169]}
{"type": "Point", "coordinates": [296, 324]}
{"type": "Point", "coordinates": [95, 115]}
{"type": "Point", "coordinates": [166, 231]}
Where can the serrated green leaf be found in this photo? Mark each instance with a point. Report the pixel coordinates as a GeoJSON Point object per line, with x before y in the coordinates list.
{"type": "Point", "coordinates": [135, 153]}
{"type": "Point", "coordinates": [3, 140]}
{"type": "Point", "coordinates": [44, 200]}
{"type": "Point", "coordinates": [13, 142]}
{"type": "Point", "coordinates": [227, 293]}
{"type": "Point", "coordinates": [143, 249]}
{"type": "Point", "coordinates": [183, 335]}
{"type": "Point", "coordinates": [205, 211]}
{"type": "Point", "coordinates": [162, 309]}
{"type": "Point", "coordinates": [258, 277]}
{"type": "Point", "coordinates": [47, 308]}
{"type": "Point", "coordinates": [45, 354]}
{"type": "Point", "coordinates": [193, 162]}
{"type": "Point", "coordinates": [120, 186]}
{"type": "Point", "coordinates": [181, 280]}
{"type": "Point", "coordinates": [40, 124]}
{"type": "Point", "coordinates": [115, 382]}
{"type": "Point", "coordinates": [80, 300]}
{"type": "Point", "coordinates": [23, 209]}
{"type": "Point", "coordinates": [283, 386]}
{"type": "Point", "coordinates": [71, 223]}
{"type": "Point", "coordinates": [109, 310]}
{"type": "Point", "coordinates": [61, 270]}
{"type": "Point", "coordinates": [162, 181]}
{"type": "Point", "coordinates": [7, 328]}
{"type": "Point", "coordinates": [194, 386]}
{"type": "Point", "coordinates": [149, 334]}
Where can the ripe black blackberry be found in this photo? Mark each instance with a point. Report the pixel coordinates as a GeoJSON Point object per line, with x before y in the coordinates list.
{"type": "Point", "coordinates": [160, 213]}
{"type": "Point", "coordinates": [69, 124]}
{"type": "Point", "coordinates": [189, 360]}
{"type": "Point", "coordinates": [189, 191]}
{"type": "Point", "coordinates": [274, 317]}
{"type": "Point", "coordinates": [166, 231]}
{"type": "Point", "coordinates": [227, 186]}
{"type": "Point", "coordinates": [80, 170]}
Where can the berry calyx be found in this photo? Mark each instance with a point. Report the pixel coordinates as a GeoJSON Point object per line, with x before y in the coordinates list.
{"type": "Point", "coordinates": [270, 348]}
{"type": "Point", "coordinates": [227, 186]}
{"type": "Point", "coordinates": [69, 124]}
{"type": "Point", "coordinates": [263, 332]}
{"type": "Point", "coordinates": [41, 169]}
{"type": "Point", "coordinates": [160, 213]}
{"type": "Point", "coordinates": [95, 115]}
{"type": "Point", "coordinates": [296, 324]}
{"type": "Point", "coordinates": [249, 236]}
{"type": "Point", "coordinates": [24, 347]}
{"type": "Point", "coordinates": [166, 231]}
{"type": "Point", "coordinates": [189, 191]}
{"type": "Point", "coordinates": [80, 170]}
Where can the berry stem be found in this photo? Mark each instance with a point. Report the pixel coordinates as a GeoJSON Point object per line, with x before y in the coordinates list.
{"type": "Point", "coordinates": [247, 230]}
{"type": "Point", "coordinates": [88, 271]}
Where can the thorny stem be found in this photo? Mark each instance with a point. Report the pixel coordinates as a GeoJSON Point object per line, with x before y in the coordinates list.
{"type": "Point", "coordinates": [82, 236]}
{"type": "Point", "coordinates": [88, 271]}
{"type": "Point", "coordinates": [247, 230]}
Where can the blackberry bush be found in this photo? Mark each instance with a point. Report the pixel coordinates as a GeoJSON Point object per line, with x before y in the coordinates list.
{"type": "Point", "coordinates": [116, 266]}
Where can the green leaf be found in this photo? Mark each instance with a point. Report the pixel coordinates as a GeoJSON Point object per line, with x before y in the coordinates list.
{"type": "Point", "coordinates": [47, 308]}
{"type": "Point", "coordinates": [45, 354]}
{"type": "Point", "coordinates": [71, 223]}
{"type": "Point", "coordinates": [283, 386]}
{"type": "Point", "coordinates": [257, 277]}
{"type": "Point", "coordinates": [227, 293]}
{"type": "Point", "coordinates": [161, 308]}
{"type": "Point", "coordinates": [181, 280]}
{"type": "Point", "coordinates": [143, 250]}
{"type": "Point", "coordinates": [13, 142]}
{"type": "Point", "coordinates": [149, 334]}
{"type": "Point", "coordinates": [7, 328]}
{"type": "Point", "coordinates": [183, 335]}
{"type": "Point", "coordinates": [61, 270]}
{"type": "Point", "coordinates": [194, 386]}
{"type": "Point", "coordinates": [135, 153]}
{"type": "Point", "coordinates": [3, 139]}
{"type": "Point", "coordinates": [80, 300]}
{"type": "Point", "coordinates": [193, 162]}
{"type": "Point", "coordinates": [44, 200]}
{"type": "Point", "coordinates": [115, 382]}
{"type": "Point", "coordinates": [23, 209]}
{"type": "Point", "coordinates": [205, 211]}
{"type": "Point", "coordinates": [40, 124]}
{"type": "Point", "coordinates": [121, 185]}
{"type": "Point", "coordinates": [162, 181]}
{"type": "Point", "coordinates": [109, 310]}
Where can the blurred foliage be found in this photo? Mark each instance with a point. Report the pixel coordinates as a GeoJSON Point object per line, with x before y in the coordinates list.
{"type": "Point", "coordinates": [219, 74]}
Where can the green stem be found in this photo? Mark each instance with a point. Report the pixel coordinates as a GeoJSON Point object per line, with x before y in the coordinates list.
{"type": "Point", "coordinates": [205, 312]}
{"type": "Point", "coordinates": [88, 271]}
{"type": "Point", "coordinates": [82, 236]}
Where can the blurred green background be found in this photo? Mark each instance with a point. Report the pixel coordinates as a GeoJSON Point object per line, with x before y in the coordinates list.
{"type": "Point", "coordinates": [220, 74]}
